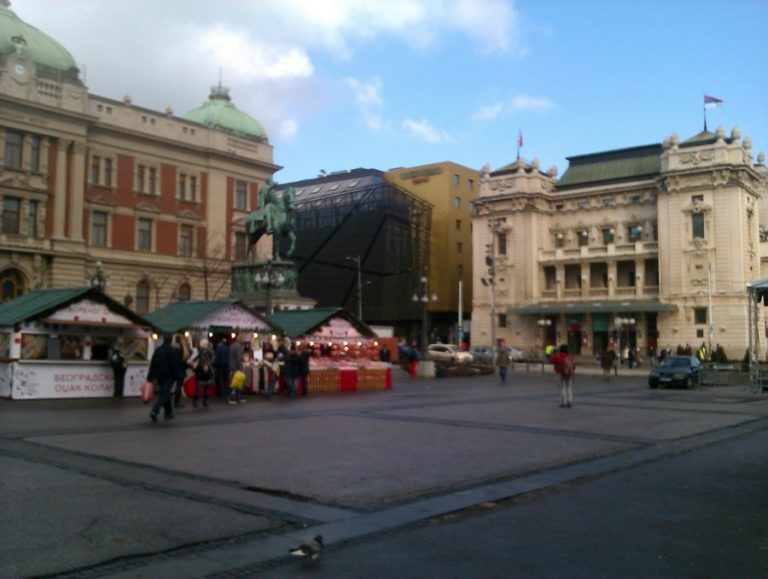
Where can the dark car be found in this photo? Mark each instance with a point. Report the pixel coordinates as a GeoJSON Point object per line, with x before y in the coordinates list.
{"type": "Point", "coordinates": [482, 354]}
{"type": "Point", "coordinates": [676, 371]}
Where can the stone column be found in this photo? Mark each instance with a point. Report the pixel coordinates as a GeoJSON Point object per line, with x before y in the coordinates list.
{"type": "Point", "coordinates": [60, 190]}
{"type": "Point", "coordinates": [77, 190]}
{"type": "Point", "coordinates": [611, 279]}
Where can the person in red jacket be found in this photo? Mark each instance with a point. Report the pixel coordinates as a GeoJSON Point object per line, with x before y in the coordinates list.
{"type": "Point", "coordinates": [564, 368]}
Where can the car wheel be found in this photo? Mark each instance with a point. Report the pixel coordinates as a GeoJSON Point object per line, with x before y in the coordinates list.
{"type": "Point", "coordinates": [689, 382]}
{"type": "Point", "coordinates": [652, 385]}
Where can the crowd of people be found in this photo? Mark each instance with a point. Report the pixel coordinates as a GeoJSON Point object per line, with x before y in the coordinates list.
{"type": "Point", "coordinates": [220, 370]}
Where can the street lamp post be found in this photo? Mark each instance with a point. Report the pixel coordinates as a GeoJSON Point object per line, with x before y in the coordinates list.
{"type": "Point", "coordinates": [422, 297]}
{"type": "Point", "coordinates": [98, 280]}
{"type": "Point", "coordinates": [267, 279]}
{"type": "Point", "coordinates": [358, 261]}
{"type": "Point", "coordinates": [543, 323]}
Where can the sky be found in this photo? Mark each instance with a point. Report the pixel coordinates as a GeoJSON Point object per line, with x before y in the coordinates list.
{"type": "Point", "coordinates": [341, 84]}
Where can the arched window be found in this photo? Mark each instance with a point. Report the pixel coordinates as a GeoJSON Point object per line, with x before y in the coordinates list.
{"type": "Point", "coordinates": [184, 292]}
{"type": "Point", "coordinates": [11, 285]}
{"type": "Point", "coordinates": [142, 297]}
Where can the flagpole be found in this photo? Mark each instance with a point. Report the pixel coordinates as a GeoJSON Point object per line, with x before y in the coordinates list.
{"type": "Point", "coordinates": [705, 118]}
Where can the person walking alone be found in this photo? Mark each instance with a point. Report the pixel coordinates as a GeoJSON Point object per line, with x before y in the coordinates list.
{"type": "Point", "coordinates": [502, 362]}
{"type": "Point", "coordinates": [564, 368]}
{"type": "Point", "coordinates": [163, 371]}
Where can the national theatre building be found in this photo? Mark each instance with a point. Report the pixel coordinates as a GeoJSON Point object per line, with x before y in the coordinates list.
{"type": "Point", "coordinates": [650, 246]}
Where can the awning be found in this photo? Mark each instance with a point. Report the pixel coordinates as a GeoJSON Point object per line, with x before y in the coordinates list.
{"type": "Point", "coordinates": [604, 307]}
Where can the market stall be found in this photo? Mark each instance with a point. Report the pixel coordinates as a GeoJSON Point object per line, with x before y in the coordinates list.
{"type": "Point", "coordinates": [214, 321]}
{"type": "Point", "coordinates": [56, 343]}
{"type": "Point", "coordinates": [345, 351]}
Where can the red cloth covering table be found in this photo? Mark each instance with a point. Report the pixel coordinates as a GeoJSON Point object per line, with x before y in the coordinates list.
{"type": "Point", "coordinates": [189, 388]}
{"type": "Point", "coordinates": [348, 380]}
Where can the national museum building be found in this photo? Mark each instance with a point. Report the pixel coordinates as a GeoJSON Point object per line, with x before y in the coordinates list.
{"type": "Point", "coordinates": [144, 202]}
{"type": "Point", "coordinates": [650, 246]}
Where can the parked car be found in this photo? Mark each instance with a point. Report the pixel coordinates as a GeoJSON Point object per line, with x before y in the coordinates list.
{"type": "Point", "coordinates": [515, 355]}
{"type": "Point", "coordinates": [482, 354]}
{"type": "Point", "coordinates": [676, 371]}
{"type": "Point", "coordinates": [449, 353]}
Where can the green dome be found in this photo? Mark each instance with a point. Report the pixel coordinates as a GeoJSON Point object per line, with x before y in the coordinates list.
{"type": "Point", "coordinates": [219, 113]}
{"type": "Point", "coordinates": [51, 58]}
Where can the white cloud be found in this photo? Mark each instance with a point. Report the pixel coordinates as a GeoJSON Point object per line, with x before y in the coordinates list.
{"type": "Point", "coordinates": [368, 99]}
{"type": "Point", "coordinates": [528, 103]}
{"type": "Point", "coordinates": [288, 130]}
{"type": "Point", "coordinates": [488, 112]}
{"type": "Point", "coordinates": [424, 130]}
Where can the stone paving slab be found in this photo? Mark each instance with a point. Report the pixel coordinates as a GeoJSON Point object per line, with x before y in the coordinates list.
{"type": "Point", "coordinates": [95, 526]}
{"type": "Point", "coordinates": [348, 460]}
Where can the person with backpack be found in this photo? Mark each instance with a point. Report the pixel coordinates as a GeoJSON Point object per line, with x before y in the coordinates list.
{"type": "Point", "coordinates": [564, 368]}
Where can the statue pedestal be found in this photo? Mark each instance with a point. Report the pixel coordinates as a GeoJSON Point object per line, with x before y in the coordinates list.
{"type": "Point", "coordinates": [269, 284]}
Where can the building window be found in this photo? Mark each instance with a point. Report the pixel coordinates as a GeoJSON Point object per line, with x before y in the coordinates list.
{"type": "Point", "coordinates": [144, 239]}
{"type": "Point", "coordinates": [608, 201]}
{"type": "Point", "coordinates": [700, 316]}
{"type": "Point", "coordinates": [182, 187]}
{"type": "Point", "coordinates": [471, 184]}
{"type": "Point", "coordinates": [95, 170]}
{"type": "Point", "coordinates": [11, 214]}
{"type": "Point", "coordinates": [695, 198]}
{"type": "Point", "coordinates": [460, 270]}
{"type": "Point", "coordinates": [152, 180]}
{"type": "Point", "coordinates": [501, 240]}
{"type": "Point", "coordinates": [502, 320]}
{"type": "Point", "coordinates": [607, 235]}
{"type": "Point", "coordinates": [457, 202]}
{"type": "Point", "coordinates": [11, 285]}
{"type": "Point", "coordinates": [455, 180]}
{"type": "Point", "coordinates": [634, 198]}
{"type": "Point", "coordinates": [99, 228]}
{"type": "Point", "coordinates": [697, 225]}
{"type": "Point", "coordinates": [186, 233]}
{"type": "Point", "coordinates": [582, 204]}
{"type": "Point", "coordinates": [241, 245]}
{"type": "Point", "coordinates": [192, 188]}
{"type": "Point", "coordinates": [458, 225]}
{"type": "Point", "coordinates": [12, 152]}
{"type": "Point", "coordinates": [142, 297]}
{"type": "Point", "coordinates": [459, 246]}
{"type": "Point", "coordinates": [184, 293]}
{"type": "Point", "coordinates": [34, 153]}
{"type": "Point", "coordinates": [141, 173]}
{"type": "Point", "coordinates": [241, 195]}
{"type": "Point", "coordinates": [583, 238]}
{"type": "Point", "coordinates": [33, 208]}
{"type": "Point", "coordinates": [559, 240]}
{"type": "Point", "coordinates": [634, 232]}
{"type": "Point", "coordinates": [107, 173]}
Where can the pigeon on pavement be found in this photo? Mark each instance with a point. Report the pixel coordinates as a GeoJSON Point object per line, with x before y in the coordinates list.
{"type": "Point", "coordinates": [309, 551]}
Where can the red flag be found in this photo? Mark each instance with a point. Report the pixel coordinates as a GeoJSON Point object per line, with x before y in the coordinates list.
{"type": "Point", "coordinates": [519, 138]}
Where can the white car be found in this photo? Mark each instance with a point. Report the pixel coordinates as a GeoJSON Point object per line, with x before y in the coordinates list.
{"type": "Point", "coordinates": [515, 355]}
{"type": "Point", "coordinates": [449, 353]}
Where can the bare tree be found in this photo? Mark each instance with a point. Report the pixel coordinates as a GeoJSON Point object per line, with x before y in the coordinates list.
{"type": "Point", "coordinates": [211, 265]}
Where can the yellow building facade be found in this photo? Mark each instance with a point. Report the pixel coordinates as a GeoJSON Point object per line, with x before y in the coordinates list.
{"type": "Point", "coordinates": [449, 188]}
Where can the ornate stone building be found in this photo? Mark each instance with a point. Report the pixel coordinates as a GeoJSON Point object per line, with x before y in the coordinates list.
{"type": "Point", "coordinates": [648, 246]}
{"type": "Point", "coordinates": [146, 203]}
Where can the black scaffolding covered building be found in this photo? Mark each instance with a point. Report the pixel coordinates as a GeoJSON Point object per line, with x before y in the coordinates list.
{"type": "Point", "coordinates": [358, 236]}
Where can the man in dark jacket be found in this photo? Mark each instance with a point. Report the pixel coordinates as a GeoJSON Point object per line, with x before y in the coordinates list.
{"type": "Point", "coordinates": [221, 368]}
{"type": "Point", "coordinates": [163, 370]}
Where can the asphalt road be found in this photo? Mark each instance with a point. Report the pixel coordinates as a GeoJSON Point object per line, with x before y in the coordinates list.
{"type": "Point", "coordinates": [458, 477]}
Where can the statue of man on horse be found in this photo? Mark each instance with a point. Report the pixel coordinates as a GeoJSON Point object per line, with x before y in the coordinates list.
{"type": "Point", "coordinates": [273, 216]}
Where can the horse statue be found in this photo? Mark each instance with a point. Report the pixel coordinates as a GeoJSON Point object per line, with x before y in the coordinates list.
{"type": "Point", "coordinates": [274, 216]}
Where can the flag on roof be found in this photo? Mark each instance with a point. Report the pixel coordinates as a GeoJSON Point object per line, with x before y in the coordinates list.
{"type": "Point", "coordinates": [519, 138]}
{"type": "Point", "coordinates": [711, 102]}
